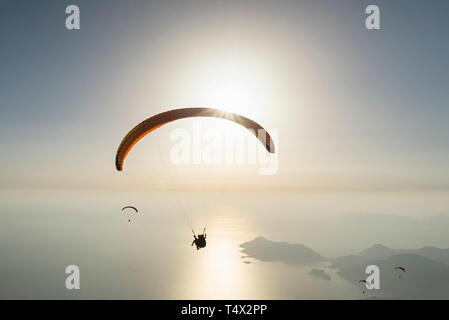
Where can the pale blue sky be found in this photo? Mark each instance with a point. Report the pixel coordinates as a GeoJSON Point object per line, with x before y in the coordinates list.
{"type": "Point", "coordinates": [347, 102]}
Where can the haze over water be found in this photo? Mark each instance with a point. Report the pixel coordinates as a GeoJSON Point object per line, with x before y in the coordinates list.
{"type": "Point", "coordinates": [151, 257]}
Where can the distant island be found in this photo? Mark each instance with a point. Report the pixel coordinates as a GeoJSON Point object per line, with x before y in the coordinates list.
{"type": "Point", "coordinates": [266, 250]}
{"type": "Point", "coordinates": [320, 274]}
{"type": "Point", "coordinates": [426, 275]}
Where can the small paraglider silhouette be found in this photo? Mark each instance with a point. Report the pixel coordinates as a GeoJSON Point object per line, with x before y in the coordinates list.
{"type": "Point", "coordinates": [130, 207]}
{"type": "Point", "coordinates": [365, 283]}
{"type": "Point", "coordinates": [401, 269]}
{"type": "Point", "coordinates": [200, 240]}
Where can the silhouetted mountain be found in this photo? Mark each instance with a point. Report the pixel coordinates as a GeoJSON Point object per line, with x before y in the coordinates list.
{"type": "Point", "coordinates": [347, 261]}
{"type": "Point", "coordinates": [426, 275]}
{"type": "Point", "coordinates": [424, 278]}
{"type": "Point", "coordinates": [266, 250]}
{"type": "Point", "coordinates": [377, 252]}
{"type": "Point", "coordinates": [355, 232]}
{"type": "Point", "coordinates": [320, 274]}
{"type": "Point", "coordinates": [437, 254]}
{"type": "Point", "coordinates": [380, 252]}
{"type": "Point", "coordinates": [440, 219]}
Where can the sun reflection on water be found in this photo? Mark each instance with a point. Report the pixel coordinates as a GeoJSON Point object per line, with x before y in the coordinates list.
{"type": "Point", "coordinates": [217, 272]}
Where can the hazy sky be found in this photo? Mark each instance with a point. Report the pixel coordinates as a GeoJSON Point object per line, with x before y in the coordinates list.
{"type": "Point", "coordinates": [351, 108]}
{"type": "Point", "coordinates": [348, 103]}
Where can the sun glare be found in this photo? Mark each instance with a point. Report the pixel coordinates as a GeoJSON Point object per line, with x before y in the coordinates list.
{"type": "Point", "coordinates": [232, 97]}
{"type": "Point", "coordinates": [219, 273]}
{"type": "Point", "coordinates": [232, 84]}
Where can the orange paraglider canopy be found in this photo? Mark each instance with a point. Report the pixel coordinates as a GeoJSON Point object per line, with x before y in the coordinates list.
{"type": "Point", "coordinates": [156, 121]}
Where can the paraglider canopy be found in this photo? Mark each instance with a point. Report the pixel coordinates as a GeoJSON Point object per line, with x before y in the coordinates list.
{"type": "Point", "coordinates": [156, 121]}
{"type": "Point", "coordinates": [402, 269]}
{"type": "Point", "coordinates": [131, 208]}
{"type": "Point", "coordinates": [366, 284]}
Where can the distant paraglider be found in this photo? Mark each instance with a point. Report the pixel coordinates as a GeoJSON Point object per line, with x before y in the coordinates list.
{"type": "Point", "coordinates": [129, 208]}
{"type": "Point", "coordinates": [401, 269]}
{"type": "Point", "coordinates": [366, 284]}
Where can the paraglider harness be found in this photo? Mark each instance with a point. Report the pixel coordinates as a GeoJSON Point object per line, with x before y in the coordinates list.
{"type": "Point", "coordinates": [200, 240]}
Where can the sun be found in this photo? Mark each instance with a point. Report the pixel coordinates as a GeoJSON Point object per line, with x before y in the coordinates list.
{"type": "Point", "coordinates": [233, 84]}
{"type": "Point", "coordinates": [232, 96]}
